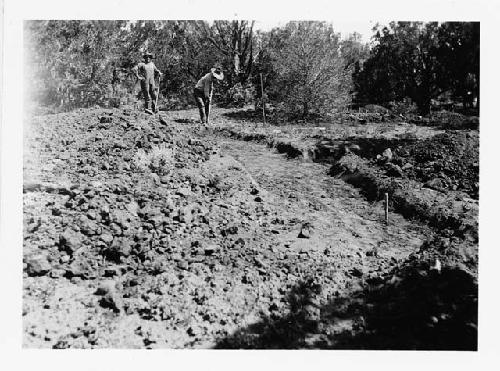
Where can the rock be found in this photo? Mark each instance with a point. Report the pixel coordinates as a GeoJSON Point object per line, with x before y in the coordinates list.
{"type": "Point", "coordinates": [112, 271]}
{"type": "Point", "coordinates": [132, 207]}
{"type": "Point", "coordinates": [88, 227]}
{"type": "Point", "coordinates": [210, 249]}
{"type": "Point", "coordinates": [258, 262]}
{"type": "Point", "coordinates": [305, 231]}
{"type": "Point", "coordinates": [184, 192]}
{"type": "Point", "coordinates": [80, 267]}
{"type": "Point", "coordinates": [121, 217]}
{"type": "Point", "coordinates": [385, 157]}
{"type": "Point", "coordinates": [436, 184]}
{"type": "Point", "coordinates": [356, 272]}
{"type": "Point", "coordinates": [57, 273]}
{"type": "Point", "coordinates": [407, 166]}
{"type": "Point", "coordinates": [186, 214]}
{"type": "Point", "coordinates": [37, 265]}
{"type": "Point", "coordinates": [105, 119]}
{"type": "Point", "coordinates": [394, 170]}
{"type": "Point", "coordinates": [106, 237]}
{"type": "Point", "coordinates": [106, 287]}
{"type": "Point", "coordinates": [117, 231]}
{"type": "Point", "coordinates": [229, 230]}
{"type": "Point", "coordinates": [70, 241]}
{"type": "Point", "coordinates": [110, 297]}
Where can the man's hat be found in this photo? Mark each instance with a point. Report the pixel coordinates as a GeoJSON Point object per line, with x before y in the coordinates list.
{"type": "Point", "coordinates": [217, 73]}
{"type": "Point", "coordinates": [147, 54]}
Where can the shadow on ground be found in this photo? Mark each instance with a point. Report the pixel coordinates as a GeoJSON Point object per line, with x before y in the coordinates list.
{"type": "Point", "coordinates": [249, 115]}
{"type": "Point", "coordinates": [413, 309]}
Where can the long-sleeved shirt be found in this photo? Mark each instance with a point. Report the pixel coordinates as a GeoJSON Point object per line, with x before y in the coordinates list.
{"type": "Point", "coordinates": [206, 85]}
{"type": "Point", "coordinates": [146, 70]}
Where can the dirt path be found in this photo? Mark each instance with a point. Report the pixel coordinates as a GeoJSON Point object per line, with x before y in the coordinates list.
{"type": "Point", "coordinates": [338, 214]}
{"type": "Point", "coordinates": [200, 250]}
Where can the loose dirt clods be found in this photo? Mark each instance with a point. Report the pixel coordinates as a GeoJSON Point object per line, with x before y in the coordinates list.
{"type": "Point", "coordinates": [148, 233]}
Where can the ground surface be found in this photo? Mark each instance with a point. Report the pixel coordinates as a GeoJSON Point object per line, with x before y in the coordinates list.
{"type": "Point", "coordinates": [140, 232]}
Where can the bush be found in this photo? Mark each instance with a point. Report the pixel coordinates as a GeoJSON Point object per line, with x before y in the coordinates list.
{"type": "Point", "coordinates": [240, 95]}
{"type": "Point", "coordinates": [157, 160]}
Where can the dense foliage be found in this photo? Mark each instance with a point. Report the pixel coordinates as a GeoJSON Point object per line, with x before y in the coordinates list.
{"type": "Point", "coordinates": [421, 62]}
{"type": "Point", "coordinates": [306, 68]}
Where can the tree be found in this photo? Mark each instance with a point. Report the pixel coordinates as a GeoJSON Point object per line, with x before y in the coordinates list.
{"type": "Point", "coordinates": [459, 52]}
{"type": "Point", "coordinates": [70, 61]}
{"type": "Point", "coordinates": [312, 75]}
{"type": "Point", "coordinates": [419, 61]}
{"type": "Point", "coordinates": [234, 42]}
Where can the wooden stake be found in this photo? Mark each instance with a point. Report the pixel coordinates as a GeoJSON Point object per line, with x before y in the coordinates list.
{"type": "Point", "coordinates": [386, 208]}
{"type": "Point", "coordinates": [262, 97]}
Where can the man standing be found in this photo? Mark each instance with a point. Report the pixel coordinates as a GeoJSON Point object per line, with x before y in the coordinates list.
{"type": "Point", "coordinates": [203, 92]}
{"type": "Point", "coordinates": [145, 72]}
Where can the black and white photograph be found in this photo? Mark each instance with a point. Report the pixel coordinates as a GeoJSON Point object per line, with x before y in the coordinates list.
{"type": "Point", "coordinates": [238, 182]}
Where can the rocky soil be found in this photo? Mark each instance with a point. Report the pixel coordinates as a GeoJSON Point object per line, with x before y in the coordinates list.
{"type": "Point", "coordinates": [151, 232]}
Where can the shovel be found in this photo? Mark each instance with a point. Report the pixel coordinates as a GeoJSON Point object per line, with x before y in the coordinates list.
{"type": "Point", "coordinates": [158, 93]}
{"type": "Point", "coordinates": [156, 101]}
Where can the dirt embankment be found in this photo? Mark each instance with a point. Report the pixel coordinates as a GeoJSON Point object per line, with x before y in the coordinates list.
{"type": "Point", "coordinates": [429, 174]}
{"type": "Point", "coordinates": [143, 234]}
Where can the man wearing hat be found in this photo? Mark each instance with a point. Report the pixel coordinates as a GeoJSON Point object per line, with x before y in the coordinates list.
{"type": "Point", "coordinates": [145, 72]}
{"type": "Point", "coordinates": [203, 92]}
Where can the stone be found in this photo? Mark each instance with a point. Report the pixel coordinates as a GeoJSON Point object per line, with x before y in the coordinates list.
{"type": "Point", "coordinates": [436, 184]}
{"type": "Point", "coordinates": [112, 271]}
{"type": "Point", "coordinates": [106, 237]}
{"type": "Point", "coordinates": [305, 231]}
{"type": "Point", "coordinates": [110, 297]}
{"type": "Point", "coordinates": [80, 267]}
{"type": "Point", "coordinates": [258, 262]}
{"type": "Point", "coordinates": [394, 170]}
{"type": "Point", "coordinates": [184, 191]}
{"type": "Point", "coordinates": [385, 157]}
{"type": "Point", "coordinates": [105, 119]}
{"type": "Point", "coordinates": [70, 241]}
{"type": "Point", "coordinates": [407, 166]}
{"type": "Point", "coordinates": [355, 272]}
{"type": "Point", "coordinates": [210, 249]}
{"type": "Point", "coordinates": [233, 229]}
{"type": "Point", "coordinates": [37, 265]}
{"type": "Point", "coordinates": [57, 273]}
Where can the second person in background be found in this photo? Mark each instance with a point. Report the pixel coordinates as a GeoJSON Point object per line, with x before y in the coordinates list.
{"type": "Point", "coordinates": [145, 73]}
{"type": "Point", "coordinates": [203, 91]}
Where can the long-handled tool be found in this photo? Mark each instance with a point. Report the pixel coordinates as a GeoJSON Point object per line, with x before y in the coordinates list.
{"type": "Point", "coordinates": [158, 93]}
{"type": "Point", "coordinates": [152, 112]}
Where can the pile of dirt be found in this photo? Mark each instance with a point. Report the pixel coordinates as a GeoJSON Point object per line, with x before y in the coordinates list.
{"type": "Point", "coordinates": [134, 225]}
{"type": "Point", "coordinates": [448, 161]}
{"type": "Point", "coordinates": [141, 232]}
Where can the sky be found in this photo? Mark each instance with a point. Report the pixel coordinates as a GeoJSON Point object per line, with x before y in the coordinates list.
{"type": "Point", "coordinates": [344, 27]}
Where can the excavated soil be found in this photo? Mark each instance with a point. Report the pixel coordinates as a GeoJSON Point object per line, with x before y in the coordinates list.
{"type": "Point", "coordinates": [142, 232]}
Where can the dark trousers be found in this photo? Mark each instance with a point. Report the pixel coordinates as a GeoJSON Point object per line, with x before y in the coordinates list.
{"type": "Point", "coordinates": [149, 93]}
{"type": "Point", "coordinates": [203, 104]}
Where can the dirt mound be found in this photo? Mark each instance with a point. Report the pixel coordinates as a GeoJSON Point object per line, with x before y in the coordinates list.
{"type": "Point", "coordinates": [447, 161]}
{"type": "Point", "coordinates": [141, 232]}
{"type": "Point", "coordinates": [453, 120]}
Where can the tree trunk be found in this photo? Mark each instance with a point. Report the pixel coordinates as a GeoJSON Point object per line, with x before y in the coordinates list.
{"type": "Point", "coordinates": [424, 105]}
